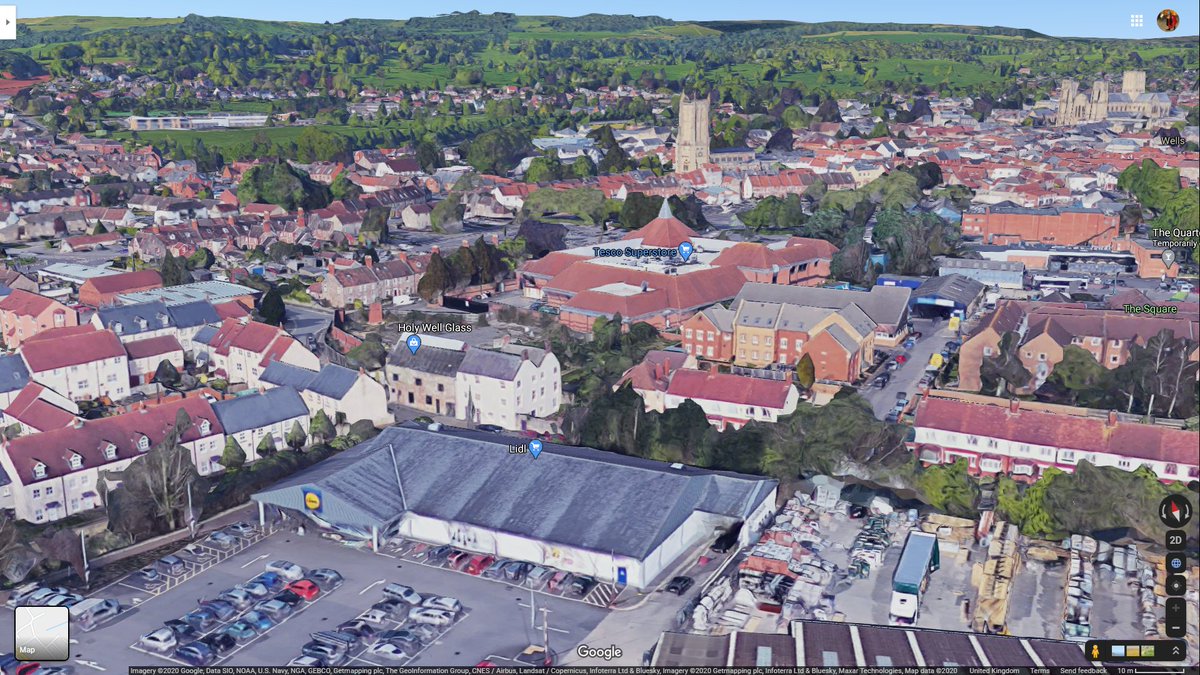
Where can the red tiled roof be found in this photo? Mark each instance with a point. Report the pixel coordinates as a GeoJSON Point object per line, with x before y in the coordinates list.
{"type": "Point", "coordinates": [231, 310]}
{"type": "Point", "coordinates": [277, 349]}
{"type": "Point", "coordinates": [654, 372]}
{"type": "Point", "coordinates": [251, 336]}
{"type": "Point", "coordinates": [89, 439]}
{"type": "Point", "coordinates": [126, 282]}
{"type": "Point", "coordinates": [1086, 434]}
{"type": "Point", "coordinates": [155, 346]}
{"type": "Point", "coordinates": [663, 232]}
{"type": "Point", "coordinates": [24, 303]}
{"type": "Point", "coordinates": [31, 410]}
{"type": "Point", "coordinates": [62, 347]}
{"type": "Point", "coordinates": [736, 389]}
{"type": "Point", "coordinates": [684, 291]}
{"type": "Point", "coordinates": [552, 264]}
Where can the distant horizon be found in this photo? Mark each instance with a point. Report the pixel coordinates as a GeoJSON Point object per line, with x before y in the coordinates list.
{"type": "Point", "coordinates": [1103, 19]}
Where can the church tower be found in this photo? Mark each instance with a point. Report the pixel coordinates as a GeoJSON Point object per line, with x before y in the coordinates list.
{"type": "Point", "coordinates": [1099, 101]}
{"type": "Point", "coordinates": [1067, 115]}
{"type": "Point", "coordinates": [1133, 83]}
{"type": "Point", "coordinates": [692, 141]}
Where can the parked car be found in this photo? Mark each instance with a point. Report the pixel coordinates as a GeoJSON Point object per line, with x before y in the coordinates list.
{"type": "Point", "coordinates": [496, 569]}
{"type": "Point", "coordinates": [241, 630]}
{"type": "Point", "coordinates": [327, 579]}
{"type": "Point", "coordinates": [224, 610]}
{"type": "Point", "coordinates": [438, 555]}
{"type": "Point", "coordinates": [286, 569]}
{"type": "Point", "coordinates": [171, 564]}
{"type": "Point", "coordinates": [581, 585]}
{"type": "Point", "coordinates": [359, 628]}
{"type": "Point", "coordinates": [260, 620]}
{"type": "Point", "coordinates": [40, 596]}
{"type": "Point", "coordinates": [401, 636]}
{"type": "Point", "coordinates": [240, 598]}
{"type": "Point", "coordinates": [327, 654]}
{"type": "Point", "coordinates": [403, 593]}
{"type": "Point", "coordinates": [241, 529]}
{"type": "Point", "coordinates": [901, 396]}
{"type": "Point", "coordinates": [147, 575]}
{"type": "Point", "coordinates": [680, 585]}
{"type": "Point", "coordinates": [376, 617]}
{"type": "Point", "coordinates": [161, 641]}
{"type": "Point", "coordinates": [492, 428]}
{"type": "Point", "coordinates": [197, 552]}
{"type": "Point", "coordinates": [916, 335]}
{"type": "Point", "coordinates": [425, 632]}
{"type": "Point", "coordinates": [256, 589]}
{"type": "Point", "coordinates": [271, 580]}
{"type": "Point", "coordinates": [200, 619]}
{"type": "Point", "coordinates": [538, 576]}
{"type": "Point", "coordinates": [433, 617]}
{"type": "Point", "coordinates": [393, 651]}
{"type": "Point", "coordinates": [478, 563]}
{"type": "Point", "coordinates": [276, 609]}
{"type": "Point", "coordinates": [63, 600]}
{"type": "Point", "coordinates": [305, 588]}
{"type": "Point", "coordinates": [443, 602]}
{"type": "Point", "coordinates": [892, 417]}
{"type": "Point", "coordinates": [221, 540]}
{"type": "Point", "coordinates": [881, 381]}
{"type": "Point", "coordinates": [289, 598]}
{"type": "Point", "coordinates": [220, 643]}
{"type": "Point", "coordinates": [94, 611]}
{"type": "Point", "coordinates": [559, 581]}
{"type": "Point", "coordinates": [305, 661]}
{"type": "Point", "coordinates": [183, 630]}
{"type": "Point", "coordinates": [901, 359]}
{"type": "Point", "coordinates": [516, 571]}
{"type": "Point", "coordinates": [395, 609]}
{"type": "Point", "coordinates": [196, 654]}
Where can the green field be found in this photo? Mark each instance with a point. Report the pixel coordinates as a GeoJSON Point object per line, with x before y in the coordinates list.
{"type": "Point", "coordinates": [92, 24]}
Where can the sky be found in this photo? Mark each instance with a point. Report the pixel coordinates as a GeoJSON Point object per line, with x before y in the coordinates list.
{"type": "Point", "coordinates": [1066, 18]}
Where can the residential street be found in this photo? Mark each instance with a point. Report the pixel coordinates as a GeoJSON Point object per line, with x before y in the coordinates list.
{"type": "Point", "coordinates": [905, 377]}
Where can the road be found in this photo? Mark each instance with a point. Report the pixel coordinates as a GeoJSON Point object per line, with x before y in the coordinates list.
{"type": "Point", "coordinates": [905, 377]}
{"type": "Point", "coordinates": [307, 323]}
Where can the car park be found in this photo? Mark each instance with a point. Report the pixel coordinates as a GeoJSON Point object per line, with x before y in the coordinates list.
{"type": "Point", "coordinates": [255, 589]}
{"type": "Point", "coordinates": [161, 640]}
{"type": "Point", "coordinates": [478, 563]}
{"type": "Point", "coordinates": [195, 654]}
{"type": "Point", "coordinates": [289, 598]}
{"type": "Point", "coordinates": [376, 617]}
{"type": "Point", "coordinates": [326, 653]}
{"type": "Point", "coordinates": [271, 580]}
{"type": "Point", "coordinates": [433, 617]}
{"type": "Point", "coordinates": [240, 598]}
{"type": "Point", "coordinates": [241, 529]}
{"type": "Point", "coordinates": [680, 585]}
{"type": "Point", "coordinates": [402, 592]}
{"type": "Point", "coordinates": [182, 629]}
{"type": "Point", "coordinates": [200, 619]}
{"type": "Point", "coordinates": [286, 569]}
{"type": "Point", "coordinates": [305, 588]}
{"type": "Point", "coordinates": [219, 643]}
{"type": "Point", "coordinates": [274, 608]}
{"type": "Point", "coordinates": [221, 540]}
{"type": "Point", "coordinates": [391, 651]}
{"type": "Point", "coordinates": [327, 579]}
{"type": "Point", "coordinates": [443, 602]}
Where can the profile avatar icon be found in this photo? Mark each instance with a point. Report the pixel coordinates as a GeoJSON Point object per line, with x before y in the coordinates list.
{"type": "Point", "coordinates": [1168, 20]}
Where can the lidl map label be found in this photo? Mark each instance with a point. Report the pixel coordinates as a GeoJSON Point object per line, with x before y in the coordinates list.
{"type": "Point", "coordinates": [42, 633]}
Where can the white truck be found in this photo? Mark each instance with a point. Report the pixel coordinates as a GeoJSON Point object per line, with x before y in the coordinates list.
{"type": "Point", "coordinates": [919, 558]}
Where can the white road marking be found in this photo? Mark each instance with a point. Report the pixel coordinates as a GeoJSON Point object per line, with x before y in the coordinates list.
{"type": "Point", "coordinates": [90, 664]}
{"type": "Point", "coordinates": [254, 561]}
{"type": "Point", "coordinates": [373, 585]}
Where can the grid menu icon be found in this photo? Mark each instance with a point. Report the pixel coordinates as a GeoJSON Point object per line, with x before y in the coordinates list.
{"type": "Point", "coordinates": [42, 634]}
{"type": "Point", "coordinates": [1137, 20]}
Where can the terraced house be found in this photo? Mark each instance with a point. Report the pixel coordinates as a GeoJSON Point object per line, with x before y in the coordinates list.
{"type": "Point", "coordinates": [370, 282]}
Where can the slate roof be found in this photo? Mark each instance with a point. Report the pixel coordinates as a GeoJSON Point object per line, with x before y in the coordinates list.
{"type": "Point", "coordinates": [191, 314]}
{"type": "Point", "coordinates": [885, 305]}
{"type": "Point", "coordinates": [258, 410]}
{"type": "Point", "coordinates": [13, 373]}
{"type": "Point", "coordinates": [499, 365]}
{"type": "Point", "coordinates": [956, 287]}
{"type": "Point", "coordinates": [283, 374]}
{"type": "Point", "coordinates": [152, 313]}
{"type": "Point", "coordinates": [333, 381]}
{"type": "Point", "coordinates": [431, 360]}
{"type": "Point", "coordinates": [576, 497]}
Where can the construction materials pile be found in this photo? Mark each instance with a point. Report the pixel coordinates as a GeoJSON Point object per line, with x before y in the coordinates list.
{"type": "Point", "coordinates": [869, 547]}
{"type": "Point", "coordinates": [994, 578]}
{"type": "Point", "coordinates": [1077, 623]}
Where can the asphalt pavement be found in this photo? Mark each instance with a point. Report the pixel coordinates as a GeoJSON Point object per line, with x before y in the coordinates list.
{"type": "Point", "coordinates": [905, 377]}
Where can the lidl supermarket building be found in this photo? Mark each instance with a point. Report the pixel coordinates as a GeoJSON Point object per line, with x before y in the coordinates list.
{"type": "Point", "coordinates": [619, 519]}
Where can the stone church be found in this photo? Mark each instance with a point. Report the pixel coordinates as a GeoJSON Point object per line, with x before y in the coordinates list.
{"type": "Point", "coordinates": [1076, 107]}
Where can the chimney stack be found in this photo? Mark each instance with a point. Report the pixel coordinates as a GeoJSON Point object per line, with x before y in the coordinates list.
{"type": "Point", "coordinates": [1112, 418]}
{"type": "Point", "coordinates": [368, 261]}
{"type": "Point", "coordinates": [435, 249]}
{"type": "Point", "coordinates": [466, 244]}
{"type": "Point", "coordinates": [495, 239]}
{"type": "Point", "coordinates": [1014, 405]}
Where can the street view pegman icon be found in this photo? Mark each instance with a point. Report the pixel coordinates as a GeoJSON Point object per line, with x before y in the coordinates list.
{"type": "Point", "coordinates": [414, 343]}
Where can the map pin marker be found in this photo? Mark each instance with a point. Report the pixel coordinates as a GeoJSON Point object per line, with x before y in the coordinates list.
{"type": "Point", "coordinates": [685, 250]}
{"type": "Point", "coordinates": [414, 343]}
{"type": "Point", "coordinates": [1168, 257]}
{"type": "Point", "coordinates": [535, 448]}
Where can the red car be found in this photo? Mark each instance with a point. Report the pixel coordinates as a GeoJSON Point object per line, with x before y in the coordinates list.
{"type": "Point", "coordinates": [304, 588]}
{"type": "Point", "coordinates": [480, 563]}
{"type": "Point", "coordinates": [486, 664]}
{"type": "Point", "coordinates": [457, 560]}
{"type": "Point", "coordinates": [901, 359]}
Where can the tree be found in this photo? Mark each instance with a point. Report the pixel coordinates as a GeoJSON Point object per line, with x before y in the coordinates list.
{"type": "Point", "coordinates": [497, 151]}
{"type": "Point", "coordinates": [64, 545]}
{"type": "Point", "coordinates": [296, 438]}
{"type": "Point", "coordinates": [544, 169]}
{"type": "Point", "coordinates": [266, 447]}
{"type": "Point", "coordinates": [202, 259]}
{"type": "Point", "coordinates": [233, 457]}
{"type": "Point", "coordinates": [320, 427]}
{"type": "Point", "coordinates": [949, 488]}
{"type": "Point", "coordinates": [276, 182]}
{"type": "Point", "coordinates": [271, 307]}
{"type": "Point", "coordinates": [437, 279]}
{"type": "Point", "coordinates": [166, 374]}
{"type": "Point", "coordinates": [375, 225]}
{"type": "Point", "coordinates": [1003, 372]}
{"type": "Point", "coordinates": [155, 486]}
{"type": "Point", "coordinates": [1078, 376]}
{"type": "Point", "coordinates": [773, 213]}
{"type": "Point", "coordinates": [806, 372]}
{"type": "Point", "coordinates": [370, 354]}
{"type": "Point", "coordinates": [174, 271]}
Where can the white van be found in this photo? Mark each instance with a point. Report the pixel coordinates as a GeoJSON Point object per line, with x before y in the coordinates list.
{"type": "Point", "coordinates": [93, 611]}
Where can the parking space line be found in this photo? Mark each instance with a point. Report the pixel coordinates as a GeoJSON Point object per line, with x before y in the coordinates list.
{"type": "Point", "coordinates": [255, 560]}
{"type": "Point", "coordinates": [373, 585]}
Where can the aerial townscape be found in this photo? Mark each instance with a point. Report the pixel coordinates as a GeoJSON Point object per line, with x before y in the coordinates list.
{"type": "Point", "coordinates": [508, 340]}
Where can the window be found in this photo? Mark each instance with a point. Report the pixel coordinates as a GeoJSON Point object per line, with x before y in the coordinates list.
{"type": "Point", "coordinates": [1172, 469]}
{"type": "Point", "coordinates": [1114, 358]}
{"type": "Point", "coordinates": [395, 377]}
{"type": "Point", "coordinates": [37, 493]}
{"type": "Point", "coordinates": [710, 351]}
{"type": "Point", "coordinates": [783, 343]}
{"type": "Point", "coordinates": [428, 400]}
{"type": "Point", "coordinates": [711, 338]}
{"type": "Point", "coordinates": [742, 338]}
{"type": "Point", "coordinates": [742, 353]}
{"type": "Point", "coordinates": [1115, 343]}
{"type": "Point", "coordinates": [76, 461]}
{"type": "Point", "coordinates": [110, 452]}
{"type": "Point", "coordinates": [39, 471]}
{"type": "Point", "coordinates": [143, 443]}
{"type": "Point", "coordinates": [1041, 357]}
{"type": "Point", "coordinates": [987, 351]}
{"type": "Point", "coordinates": [205, 427]}
{"type": "Point", "coordinates": [441, 387]}
{"type": "Point", "coordinates": [688, 333]}
{"type": "Point", "coordinates": [754, 340]}
{"type": "Point", "coordinates": [1095, 342]}
{"type": "Point", "coordinates": [49, 490]}
{"type": "Point", "coordinates": [754, 355]}
{"type": "Point", "coordinates": [417, 381]}
{"type": "Point", "coordinates": [770, 340]}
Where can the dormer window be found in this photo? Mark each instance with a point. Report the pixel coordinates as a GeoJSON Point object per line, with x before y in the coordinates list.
{"type": "Point", "coordinates": [163, 319]}
{"type": "Point", "coordinates": [117, 327]}
{"type": "Point", "coordinates": [110, 451]}
{"type": "Point", "coordinates": [141, 322]}
{"type": "Point", "coordinates": [39, 471]}
{"type": "Point", "coordinates": [205, 427]}
{"type": "Point", "coordinates": [143, 443]}
{"type": "Point", "coordinates": [76, 461]}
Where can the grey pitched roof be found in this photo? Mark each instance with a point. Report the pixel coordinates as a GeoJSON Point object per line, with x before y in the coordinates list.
{"type": "Point", "coordinates": [258, 410]}
{"type": "Point", "coordinates": [432, 360]}
{"type": "Point", "coordinates": [954, 287]}
{"type": "Point", "coordinates": [191, 314]}
{"type": "Point", "coordinates": [13, 373]}
{"type": "Point", "coordinates": [572, 496]}
{"type": "Point", "coordinates": [127, 317]}
{"type": "Point", "coordinates": [500, 365]}
{"type": "Point", "coordinates": [843, 338]}
{"type": "Point", "coordinates": [721, 317]}
{"type": "Point", "coordinates": [283, 374]}
{"type": "Point", "coordinates": [885, 305]}
{"type": "Point", "coordinates": [333, 381]}
{"type": "Point", "coordinates": [205, 335]}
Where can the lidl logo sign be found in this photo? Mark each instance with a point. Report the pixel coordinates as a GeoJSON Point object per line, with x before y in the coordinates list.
{"type": "Point", "coordinates": [312, 500]}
